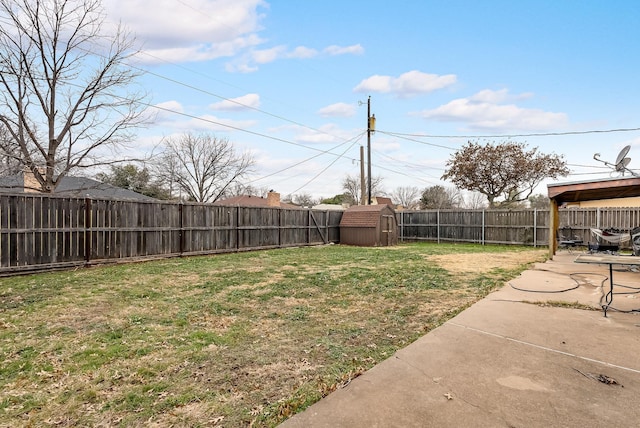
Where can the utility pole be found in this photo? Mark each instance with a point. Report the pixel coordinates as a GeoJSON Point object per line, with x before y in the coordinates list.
{"type": "Point", "coordinates": [371, 124]}
{"type": "Point", "coordinates": [363, 190]}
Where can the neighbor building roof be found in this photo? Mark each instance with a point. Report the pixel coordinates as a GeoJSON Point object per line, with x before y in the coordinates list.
{"type": "Point", "coordinates": [251, 201]}
{"type": "Point", "coordinates": [77, 187]}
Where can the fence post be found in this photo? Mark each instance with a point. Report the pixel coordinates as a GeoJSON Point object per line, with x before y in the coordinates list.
{"type": "Point", "coordinates": [402, 227]}
{"type": "Point", "coordinates": [88, 236]}
{"type": "Point", "coordinates": [238, 228]}
{"type": "Point", "coordinates": [535, 228]}
{"type": "Point", "coordinates": [483, 227]}
{"type": "Point", "coordinates": [181, 224]}
{"type": "Point", "coordinates": [280, 228]}
{"type": "Point", "coordinates": [438, 224]}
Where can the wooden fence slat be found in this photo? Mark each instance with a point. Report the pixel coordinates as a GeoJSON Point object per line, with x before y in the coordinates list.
{"type": "Point", "coordinates": [47, 231]}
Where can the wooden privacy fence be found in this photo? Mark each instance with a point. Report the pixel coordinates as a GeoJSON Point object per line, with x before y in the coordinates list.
{"type": "Point", "coordinates": [46, 232]}
{"type": "Point", "coordinates": [583, 220]}
{"type": "Point", "coordinates": [523, 227]}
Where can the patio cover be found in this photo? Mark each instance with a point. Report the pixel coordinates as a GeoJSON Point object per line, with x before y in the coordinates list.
{"type": "Point", "coordinates": [560, 193]}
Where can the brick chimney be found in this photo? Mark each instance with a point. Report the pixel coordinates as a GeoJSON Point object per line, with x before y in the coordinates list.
{"type": "Point", "coordinates": [30, 183]}
{"type": "Point", "coordinates": [273, 199]}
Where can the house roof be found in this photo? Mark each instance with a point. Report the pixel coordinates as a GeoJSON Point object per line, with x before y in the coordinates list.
{"type": "Point", "coordinates": [381, 200]}
{"type": "Point", "coordinates": [251, 201]}
{"type": "Point", "coordinates": [78, 187]}
{"type": "Point", "coordinates": [594, 190]}
{"type": "Point", "coordinates": [363, 215]}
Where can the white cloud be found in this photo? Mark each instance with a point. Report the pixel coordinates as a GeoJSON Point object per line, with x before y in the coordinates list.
{"type": "Point", "coordinates": [495, 97]}
{"type": "Point", "coordinates": [197, 52]}
{"type": "Point", "coordinates": [163, 112]}
{"type": "Point", "coordinates": [302, 52]}
{"type": "Point", "coordinates": [239, 103]}
{"type": "Point", "coordinates": [182, 123]}
{"type": "Point", "coordinates": [338, 110]}
{"type": "Point", "coordinates": [249, 62]}
{"type": "Point", "coordinates": [212, 123]}
{"type": "Point", "coordinates": [342, 50]}
{"type": "Point", "coordinates": [172, 105]}
{"type": "Point", "coordinates": [483, 111]}
{"type": "Point", "coordinates": [265, 56]}
{"type": "Point", "coordinates": [375, 83]}
{"type": "Point", "coordinates": [408, 84]}
{"type": "Point", "coordinates": [202, 29]}
{"type": "Point", "coordinates": [329, 133]}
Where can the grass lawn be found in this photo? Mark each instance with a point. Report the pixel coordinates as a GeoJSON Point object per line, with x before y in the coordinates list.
{"type": "Point", "coordinates": [229, 340]}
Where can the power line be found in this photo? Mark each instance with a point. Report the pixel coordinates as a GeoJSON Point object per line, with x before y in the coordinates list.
{"type": "Point", "coordinates": [328, 166]}
{"type": "Point", "coordinates": [542, 134]}
{"type": "Point", "coordinates": [406, 137]}
{"type": "Point", "coordinates": [357, 138]}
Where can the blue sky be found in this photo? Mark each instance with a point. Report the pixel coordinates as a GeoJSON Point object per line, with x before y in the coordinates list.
{"type": "Point", "coordinates": [289, 78]}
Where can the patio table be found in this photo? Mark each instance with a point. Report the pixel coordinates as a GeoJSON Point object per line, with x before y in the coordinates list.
{"type": "Point", "coordinates": [608, 259]}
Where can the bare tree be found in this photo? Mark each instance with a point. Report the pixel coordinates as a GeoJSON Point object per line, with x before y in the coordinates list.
{"type": "Point", "coordinates": [240, 189]}
{"type": "Point", "coordinates": [474, 201]}
{"type": "Point", "coordinates": [302, 199]}
{"type": "Point", "coordinates": [539, 201]}
{"type": "Point", "coordinates": [351, 186]}
{"type": "Point", "coordinates": [64, 96]}
{"type": "Point", "coordinates": [206, 167]}
{"type": "Point", "coordinates": [407, 196]}
{"type": "Point", "coordinates": [9, 154]}
{"type": "Point", "coordinates": [440, 197]}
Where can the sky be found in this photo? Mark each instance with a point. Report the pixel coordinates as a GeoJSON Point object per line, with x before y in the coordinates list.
{"type": "Point", "coordinates": [290, 82]}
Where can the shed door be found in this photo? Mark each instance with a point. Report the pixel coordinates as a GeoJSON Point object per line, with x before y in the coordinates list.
{"type": "Point", "coordinates": [387, 229]}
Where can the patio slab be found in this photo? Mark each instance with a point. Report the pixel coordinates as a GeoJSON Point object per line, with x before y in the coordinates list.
{"type": "Point", "coordinates": [514, 359]}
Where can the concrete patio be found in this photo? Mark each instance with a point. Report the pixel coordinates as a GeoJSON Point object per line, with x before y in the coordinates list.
{"type": "Point", "coordinates": [514, 359]}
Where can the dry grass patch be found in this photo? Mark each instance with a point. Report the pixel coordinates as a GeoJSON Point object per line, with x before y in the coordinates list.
{"type": "Point", "coordinates": [481, 262]}
{"type": "Point", "coordinates": [228, 340]}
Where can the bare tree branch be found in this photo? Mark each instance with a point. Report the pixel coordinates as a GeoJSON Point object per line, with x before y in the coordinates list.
{"type": "Point", "coordinates": [351, 186]}
{"type": "Point", "coordinates": [205, 167]}
{"type": "Point", "coordinates": [407, 196]}
{"type": "Point", "coordinates": [64, 93]}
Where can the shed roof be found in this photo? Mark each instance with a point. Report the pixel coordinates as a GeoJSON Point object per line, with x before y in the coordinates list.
{"type": "Point", "coordinates": [363, 215]}
{"type": "Point", "coordinates": [594, 190]}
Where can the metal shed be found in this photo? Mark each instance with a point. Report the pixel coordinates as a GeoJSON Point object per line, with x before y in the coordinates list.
{"type": "Point", "coordinates": [369, 226]}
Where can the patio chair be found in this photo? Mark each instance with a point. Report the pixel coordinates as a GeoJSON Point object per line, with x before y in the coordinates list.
{"type": "Point", "coordinates": [567, 238]}
{"type": "Point", "coordinates": [635, 240]}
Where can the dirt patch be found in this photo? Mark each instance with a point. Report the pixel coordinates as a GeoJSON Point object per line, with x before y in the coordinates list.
{"type": "Point", "coordinates": [482, 262]}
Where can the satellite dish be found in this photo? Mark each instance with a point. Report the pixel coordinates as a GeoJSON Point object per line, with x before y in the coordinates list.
{"type": "Point", "coordinates": [621, 156]}
{"type": "Point", "coordinates": [622, 165]}
{"type": "Point", "coordinates": [621, 161]}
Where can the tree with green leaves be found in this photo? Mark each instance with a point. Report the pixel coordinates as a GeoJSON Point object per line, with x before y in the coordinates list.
{"type": "Point", "coordinates": [131, 177]}
{"type": "Point", "coordinates": [505, 173]}
{"type": "Point", "coordinates": [340, 199]}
